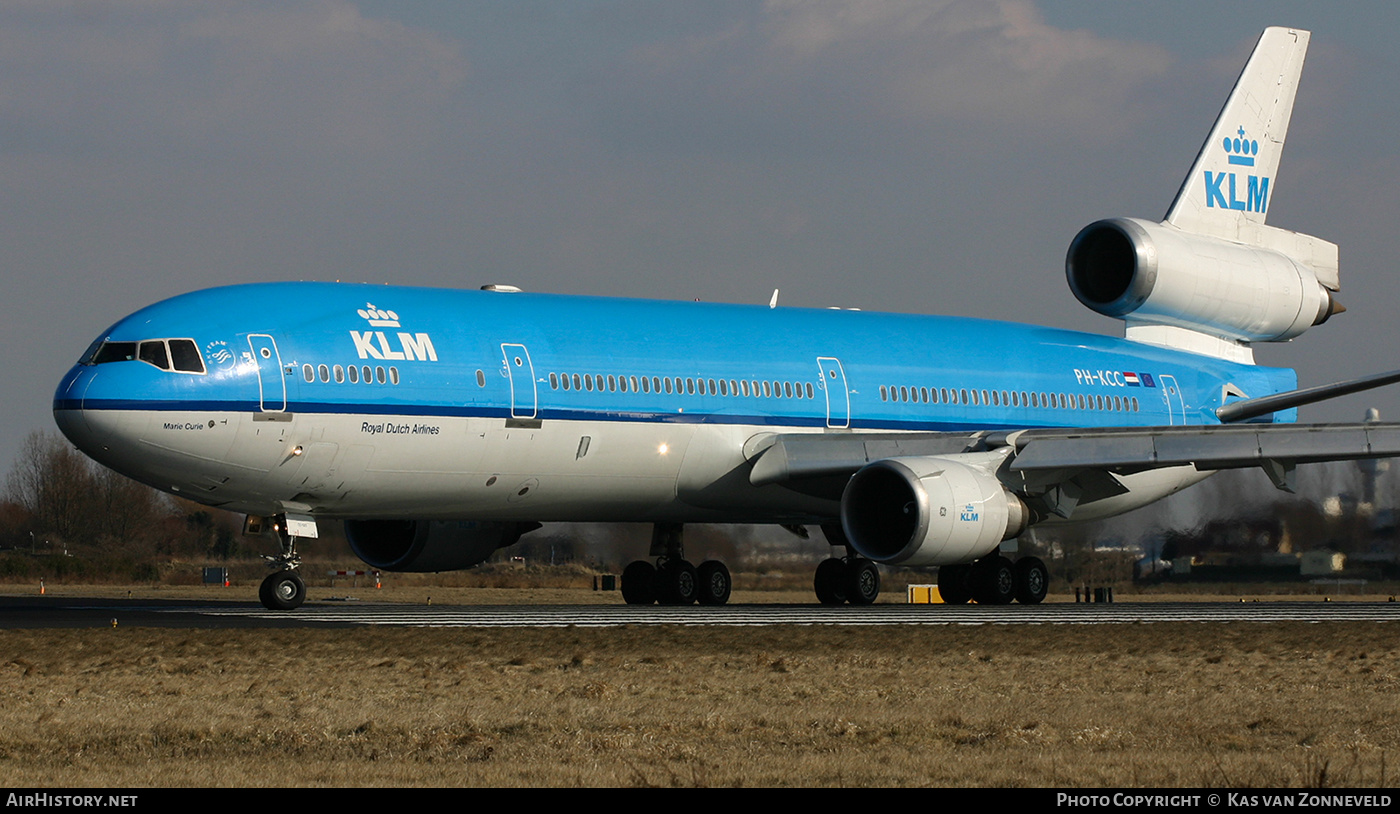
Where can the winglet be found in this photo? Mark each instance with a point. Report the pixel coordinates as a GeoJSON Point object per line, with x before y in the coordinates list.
{"type": "Point", "coordinates": [1228, 189]}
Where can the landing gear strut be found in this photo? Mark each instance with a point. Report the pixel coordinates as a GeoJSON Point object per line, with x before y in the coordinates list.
{"type": "Point", "coordinates": [284, 588]}
{"type": "Point", "coordinates": [673, 580]}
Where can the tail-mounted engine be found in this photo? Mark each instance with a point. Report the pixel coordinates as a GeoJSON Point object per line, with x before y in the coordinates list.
{"type": "Point", "coordinates": [430, 545]}
{"type": "Point", "coordinates": [928, 511]}
{"type": "Point", "coordinates": [1156, 274]}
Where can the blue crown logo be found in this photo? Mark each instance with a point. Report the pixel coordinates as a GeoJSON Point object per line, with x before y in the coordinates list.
{"type": "Point", "coordinates": [1241, 150]}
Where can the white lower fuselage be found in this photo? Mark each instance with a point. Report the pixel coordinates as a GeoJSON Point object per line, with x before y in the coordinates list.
{"type": "Point", "coordinates": [349, 466]}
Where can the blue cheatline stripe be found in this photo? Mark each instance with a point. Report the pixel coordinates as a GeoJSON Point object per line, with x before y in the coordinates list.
{"type": "Point", "coordinates": [452, 411]}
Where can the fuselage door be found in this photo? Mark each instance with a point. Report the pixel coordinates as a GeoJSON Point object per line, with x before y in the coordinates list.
{"type": "Point", "coordinates": [272, 386]}
{"type": "Point", "coordinates": [521, 372]}
{"type": "Point", "coordinates": [838, 398]}
{"type": "Point", "coordinates": [1176, 405]}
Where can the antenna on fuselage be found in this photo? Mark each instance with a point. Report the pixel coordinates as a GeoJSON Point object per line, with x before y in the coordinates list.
{"type": "Point", "coordinates": [773, 303]}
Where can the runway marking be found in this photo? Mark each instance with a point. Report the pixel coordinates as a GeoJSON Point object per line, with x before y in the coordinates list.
{"type": "Point", "coordinates": [771, 615]}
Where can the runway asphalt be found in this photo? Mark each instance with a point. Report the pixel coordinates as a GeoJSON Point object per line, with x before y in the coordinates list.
{"type": "Point", "coordinates": [75, 612]}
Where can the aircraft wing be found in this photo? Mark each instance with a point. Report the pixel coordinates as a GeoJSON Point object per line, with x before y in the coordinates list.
{"type": "Point", "coordinates": [819, 464]}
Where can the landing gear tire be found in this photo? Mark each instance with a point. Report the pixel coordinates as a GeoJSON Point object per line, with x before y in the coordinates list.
{"type": "Point", "coordinates": [953, 584]}
{"type": "Point", "coordinates": [993, 581]}
{"type": "Point", "coordinates": [830, 582]}
{"type": "Point", "coordinates": [862, 582]}
{"type": "Point", "coordinates": [639, 583]}
{"type": "Point", "coordinates": [714, 583]}
{"type": "Point", "coordinates": [1032, 581]}
{"type": "Point", "coordinates": [677, 583]}
{"type": "Point", "coordinates": [282, 591]}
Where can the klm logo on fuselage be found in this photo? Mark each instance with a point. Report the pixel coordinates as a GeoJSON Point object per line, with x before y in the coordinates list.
{"type": "Point", "coordinates": [377, 345]}
{"type": "Point", "coordinates": [1223, 188]}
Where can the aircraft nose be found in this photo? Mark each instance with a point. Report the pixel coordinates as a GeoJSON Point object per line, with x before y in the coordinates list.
{"type": "Point", "coordinates": [103, 435]}
{"type": "Point", "coordinates": [68, 411]}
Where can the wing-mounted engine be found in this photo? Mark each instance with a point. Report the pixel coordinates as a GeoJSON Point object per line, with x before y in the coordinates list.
{"type": "Point", "coordinates": [930, 510]}
{"type": "Point", "coordinates": [1154, 274]}
{"type": "Point", "coordinates": [430, 545]}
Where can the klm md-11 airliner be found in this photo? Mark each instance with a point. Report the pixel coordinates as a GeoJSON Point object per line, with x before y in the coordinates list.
{"type": "Point", "coordinates": [443, 425]}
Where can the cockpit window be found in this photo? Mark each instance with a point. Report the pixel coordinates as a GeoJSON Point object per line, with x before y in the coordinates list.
{"type": "Point", "coordinates": [185, 356]}
{"type": "Point", "coordinates": [153, 352]}
{"type": "Point", "coordinates": [179, 355]}
{"type": "Point", "coordinates": [114, 352]}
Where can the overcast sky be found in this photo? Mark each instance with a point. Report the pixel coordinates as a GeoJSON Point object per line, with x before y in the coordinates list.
{"type": "Point", "coordinates": [909, 156]}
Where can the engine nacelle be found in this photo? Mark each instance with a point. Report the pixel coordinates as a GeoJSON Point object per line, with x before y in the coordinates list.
{"type": "Point", "coordinates": [928, 511]}
{"type": "Point", "coordinates": [429, 545]}
{"type": "Point", "coordinates": [1157, 274]}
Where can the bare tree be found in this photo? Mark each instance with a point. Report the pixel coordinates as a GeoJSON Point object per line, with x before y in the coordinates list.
{"type": "Point", "coordinates": [51, 481]}
{"type": "Point", "coordinates": [69, 497]}
{"type": "Point", "coordinates": [124, 511]}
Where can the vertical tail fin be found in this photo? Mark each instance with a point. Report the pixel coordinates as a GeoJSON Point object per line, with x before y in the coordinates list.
{"type": "Point", "coordinates": [1227, 191]}
{"type": "Point", "coordinates": [1214, 277]}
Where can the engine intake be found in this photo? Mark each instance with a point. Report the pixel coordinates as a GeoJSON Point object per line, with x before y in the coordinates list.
{"type": "Point", "coordinates": [1157, 274]}
{"type": "Point", "coordinates": [928, 511]}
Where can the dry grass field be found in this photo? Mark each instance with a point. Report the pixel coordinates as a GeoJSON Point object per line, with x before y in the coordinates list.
{"type": "Point", "coordinates": [1116, 705]}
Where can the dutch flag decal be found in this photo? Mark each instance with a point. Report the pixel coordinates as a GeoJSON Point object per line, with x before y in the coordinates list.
{"type": "Point", "coordinates": [1131, 379]}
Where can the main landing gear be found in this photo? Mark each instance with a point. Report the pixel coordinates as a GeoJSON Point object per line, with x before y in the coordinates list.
{"type": "Point", "coordinates": [284, 588]}
{"type": "Point", "coordinates": [994, 580]}
{"type": "Point", "coordinates": [673, 580]}
{"type": "Point", "coordinates": [845, 579]}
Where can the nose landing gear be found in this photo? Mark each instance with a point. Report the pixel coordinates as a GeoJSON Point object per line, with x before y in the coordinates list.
{"type": "Point", "coordinates": [284, 589]}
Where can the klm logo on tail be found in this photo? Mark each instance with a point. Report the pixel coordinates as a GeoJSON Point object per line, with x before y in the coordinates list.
{"type": "Point", "coordinates": [1241, 152]}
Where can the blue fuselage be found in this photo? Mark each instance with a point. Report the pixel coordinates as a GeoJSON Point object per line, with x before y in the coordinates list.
{"type": "Point", "coordinates": [362, 370]}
